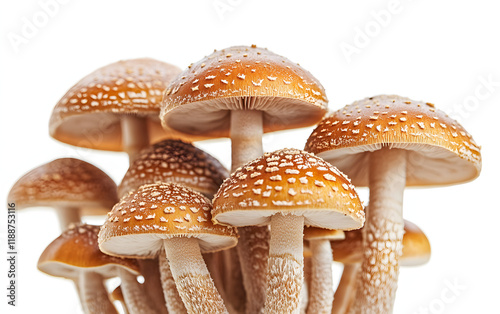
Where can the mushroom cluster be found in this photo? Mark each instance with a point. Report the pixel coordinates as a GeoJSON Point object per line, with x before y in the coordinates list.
{"type": "Point", "coordinates": [183, 235]}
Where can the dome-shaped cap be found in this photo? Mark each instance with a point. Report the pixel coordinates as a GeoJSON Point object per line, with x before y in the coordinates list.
{"type": "Point", "coordinates": [200, 99]}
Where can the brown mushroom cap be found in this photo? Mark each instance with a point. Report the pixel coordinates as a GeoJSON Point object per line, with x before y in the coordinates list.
{"type": "Point", "coordinates": [289, 181]}
{"type": "Point", "coordinates": [178, 162]}
{"type": "Point", "coordinates": [416, 247]}
{"type": "Point", "coordinates": [313, 233]}
{"type": "Point", "coordinates": [76, 249]}
{"type": "Point", "coordinates": [88, 115]}
{"type": "Point", "coordinates": [138, 224]}
{"type": "Point", "coordinates": [440, 151]}
{"type": "Point", "coordinates": [200, 99]}
{"type": "Point", "coordinates": [66, 182]}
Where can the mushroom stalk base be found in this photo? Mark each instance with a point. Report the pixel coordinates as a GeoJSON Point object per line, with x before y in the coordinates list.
{"type": "Point", "coordinates": [383, 233]}
{"type": "Point", "coordinates": [346, 290]}
{"type": "Point", "coordinates": [94, 295]}
{"type": "Point", "coordinates": [193, 281]}
{"type": "Point", "coordinates": [285, 274]}
{"type": "Point", "coordinates": [135, 135]}
{"type": "Point", "coordinates": [136, 299]}
{"type": "Point", "coordinates": [172, 298]}
{"type": "Point", "coordinates": [321, 295]}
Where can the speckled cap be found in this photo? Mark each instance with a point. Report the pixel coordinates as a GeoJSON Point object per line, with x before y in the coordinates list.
{"type": "Point", "coordinates": [200, 99]}
{"type": "Point", "coordinates": [178, 162]}
{"type": "Point", "coordinates": [288, 181]}
{"type": "Point", "coordinates": [440, 151]}
{"type": "Point", "coordinates": [88, 115]}
{"type": "Point", "coordinates": [66, 182]}
{"type": "Point", "coordinates": [75, 250]}
{"type": "Point", "coordinates": [138, 224]}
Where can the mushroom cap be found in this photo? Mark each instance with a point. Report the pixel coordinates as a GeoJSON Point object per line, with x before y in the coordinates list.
{"type": "Point", "coordinates": [313, 233]}
{"type": "Point", "coordinates": [138, 224]}
{"type": "Point", "coordinates": [66, 182]}
{"type": "Point", "coordinates": [416, 247]}
{"type": "Point", "coordinates": [200, 99]}
{"type": "Point", "coordinates": [88, 115]}
{"type": "Point", "coordinates": [75, 250]}
{"type": "Point", "coordinates": [178, 162]}
{"type": "Point", "coordinates": [440, 151]}
{"type": "Point", "coordinates": [288, 181]}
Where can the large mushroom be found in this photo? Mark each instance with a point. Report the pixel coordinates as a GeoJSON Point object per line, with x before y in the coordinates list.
{"type": "Point", "coordinates": [287, 189]}
{"type": "Point", "coordinates": [241, 92]}
{"type": "Point", "coordinates": [70, 186]}
{"type": "Point", "coordinates": [388, 142]}
{"type": "Point", "coordinates": [76, 255]}
{"type": "Point", "coordinates": [177, 219]}
{"type": "Point", "coordinates": [115, 108]}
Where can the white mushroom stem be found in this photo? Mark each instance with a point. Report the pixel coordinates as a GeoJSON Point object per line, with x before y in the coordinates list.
{"type": "Point", "coordinates": [196, 288]}
{"type": "Point", "coordinates": [346, 290]}
{"type": "Point", "coordinates": [93, 294]}
{"type": "Point", "coordinates": [173, 300]}
{"type": "Point", "coordinates": [136, 299]}
{"type": "Point", "coordinates": [285, 274]}
{"type": "Point", "coordinates": [383, 233]}
{"type": "Point", "coordinates": [67, 216]}
{"type": "Point", "coordinates": [135, 135]}
{"type": "Point", "coordinates": [246, 145]}
{"type": "Point", "coordinates": [150, 270]}
{"type": "Point", "coordinates": [304, 296]}
{"type": "Point", "coordinates": [321, 295]}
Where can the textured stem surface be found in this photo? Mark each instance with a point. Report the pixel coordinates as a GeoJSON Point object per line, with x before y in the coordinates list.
{"type": "Point", "coordinates": [285, 274]}
{"type": "Point", "coordinates": [67, 216]}
{"type": "Point", "coordinates": [196, 288]}
{"type": "Point", "coordinates": [246, 137]}
{"type": "Point", "coordinates": [134, 135]}
{"type": "Point", "coordinates": [383, 233]}
{"type": "Point", "coordinates": [321, 295]}
{"type": "Point", "coordinates": [150, 270]}
{"type": "Point", "coordinates": [94, 296]}
{"type": "Point", "coordinates": [136, 299]}
{"type": "Point", "coordinates": [346, 290]}
{"type": "Point", "coordinates": [172, 298]}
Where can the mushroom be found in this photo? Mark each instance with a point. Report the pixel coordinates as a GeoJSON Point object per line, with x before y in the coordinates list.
{"type": "Point", "coordinates": [321, 277]}
{"type": "Point", "coordinates": [387, 142]}
{"type": "Point", "coordinates": [75, 254]}
{"type": "Point", "coordinates": [177, 219]}
{"type": "Point", "coordinates": [241, 92]}
{"type": "Point", "coordinates": [117, 295]}
{"type": "Point", "coordinates": [179, 162]}
{"type": "Point", "coordinates": [71, 186]}
{"type": "Point", "coordinates": [416, 251]}
{"type": "Point", "coordinates": [115, 108]}
{"type": "Point", "coordinates": [287, 189]}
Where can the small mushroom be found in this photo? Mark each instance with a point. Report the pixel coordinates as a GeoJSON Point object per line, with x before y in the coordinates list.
{"type": "Point", "coordinates": [177, 219]}
{"type": "Point", "coordinates": [71, 186]}
{"type": "Point", "coordinates": [287, 189]}
{"type": "Point", "coordinates": [388, 142]}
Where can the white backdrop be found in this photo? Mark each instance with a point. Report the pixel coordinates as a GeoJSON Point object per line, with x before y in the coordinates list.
{"type": "Point", "coordinates": [444, 52]}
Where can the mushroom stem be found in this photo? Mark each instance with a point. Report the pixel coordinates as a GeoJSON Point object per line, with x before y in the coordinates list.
{"type": "Point", "coordinates": [346, 290]}
{"type": "Point", "coordinates": [134, 135]}
{"type": "Point", "coordinates": [93, 294]}
{"type": "Point", "coordinates": [285, 274]}
{"type": "Point", "coordinates": [172, 298]}
{"type": "Point", "coordinates": [150, 270]}
{"type": "Point", "coordinates": [246, 145]}
{"type": "Point", "coordinates": [193, 281]}
{"type": "Point", "coordinates": [136, 299]}
{"type": "Point", "coordinates": [384, 228]}
{"type": "Point", "coordinates": [321, 295]}
{"type": "Point", "coordinates": [67, 216]}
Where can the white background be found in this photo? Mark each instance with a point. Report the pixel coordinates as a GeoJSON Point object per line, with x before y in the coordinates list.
{"type": "Point", "coordinates": [437, 51]}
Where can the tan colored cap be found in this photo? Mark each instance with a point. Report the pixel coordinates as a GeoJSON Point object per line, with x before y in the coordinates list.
{"type": "Point", "coordinates": [178, 162]}
{"type": "Point", "coordinates": [200, 99]}
{"type": "Point", "coordinates": [289, 181]}
{"type": "Point", "coordinates": [313, 233]}
{"type": "Point", "coordinates": [440, 151]}
{"type": "Point", "coordinates": [66, 182]}
{"type": "Point", "coordinates": [88, 115]}
{"type": "Point", "coordinates": [75, 250]}
{"type": "Point", "coordinates": [139, 223]}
